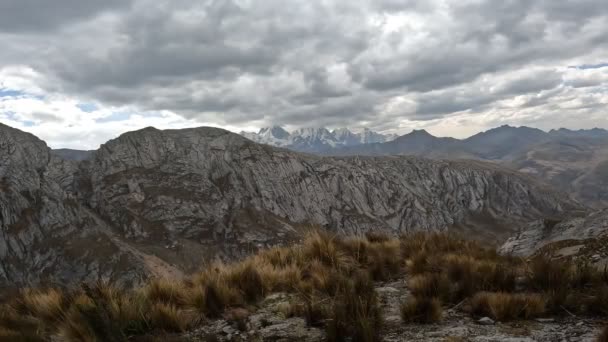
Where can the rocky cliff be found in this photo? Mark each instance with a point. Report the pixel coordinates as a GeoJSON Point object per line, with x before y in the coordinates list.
{"type": "Point", "coordinates": [155, 201]}
{"type": "Point", "coordinates": [46, 235]}
{"type": "Point", "coordinates": [582, 236]}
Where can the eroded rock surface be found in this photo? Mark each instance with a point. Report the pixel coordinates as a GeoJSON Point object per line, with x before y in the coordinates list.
{"type": "Point", "coordinates": [568, 238]}
{"type": "Point", "coordinates": [164, 202]}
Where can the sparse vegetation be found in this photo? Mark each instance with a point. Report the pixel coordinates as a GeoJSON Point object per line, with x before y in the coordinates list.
{"type": "Point", "coordinates": [603, 336]}
{"type": "Point", "coordinates": [332, 279]}
{"type": "Point", "coordinates": [504, 306]}
{"type": "Point", "coordinates": [421, 310]}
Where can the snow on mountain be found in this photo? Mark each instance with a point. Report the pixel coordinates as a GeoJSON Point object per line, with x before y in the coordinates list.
{"type": "Point", "coordinates": [315, 139]}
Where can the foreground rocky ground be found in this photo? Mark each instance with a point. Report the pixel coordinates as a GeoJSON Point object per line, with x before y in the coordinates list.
{"type": "Point", "coordinates": [420, 287]}
{"type": "Point", "coordinates": [268, 323]}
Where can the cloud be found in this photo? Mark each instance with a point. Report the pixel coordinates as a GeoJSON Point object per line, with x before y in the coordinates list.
{"type": "Point", "coordinates": [390, 65]}
{"type": "Point", "coordinates": [41, 15]}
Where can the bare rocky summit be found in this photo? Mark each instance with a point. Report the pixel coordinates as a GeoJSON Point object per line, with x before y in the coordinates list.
{"type": "Point", "coordinates": [579, 236]}
{"type": "Point", "coordinates": [164, 202]}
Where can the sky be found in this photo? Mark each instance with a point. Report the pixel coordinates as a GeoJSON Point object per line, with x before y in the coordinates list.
{"type": "Point", "coordinates": [79, 72]}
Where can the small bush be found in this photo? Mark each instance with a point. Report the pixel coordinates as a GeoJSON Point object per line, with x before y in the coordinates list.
{"type": "Point", "coordinates": [430, 285]}
{"type": "Point", "coordinates": [503, 306]}
{"type": "Point", "coordinates": [597, 304]}
{"type": "Point", "coordinates": [603, 335]}
{"type": "Point", "coordinates": [384, 260]}
{"type": "Point", "coordinates": [165, 291]}
{"type": "Point", "coordinates": [546, 274]}
{"type": "Point", "coordinates": [354, 312]}
{"type": "Point", "coordinates": [168, 317]}
{"type": "Point", "coordinates": [248, 281]}
{"type": "Point", "coordinates": [314, 308]}
{"type": "Point", "coordinates": [17, 327]}
{"type": "Point", "coordinates": [423, 310]}
{"type": "Point", "coordinates": [322, 246]}
{"type": "Point", "coordinates": [47, 305]}
{"type": "Point", "coordinates": [584, 275]}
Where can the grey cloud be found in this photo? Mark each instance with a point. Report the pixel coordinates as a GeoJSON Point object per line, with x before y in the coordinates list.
{"type": "Point", "coordinates": [43, 15]}
{"type": "Point", "coordinates": [476, 96]}
{"type": "Point", "coordinates": [47, 117]}
{"type": "Point", "coordinates": [233, 62]}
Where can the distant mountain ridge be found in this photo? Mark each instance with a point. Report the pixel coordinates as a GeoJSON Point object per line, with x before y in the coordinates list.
{"type": "Point", "coordinates": [163, 202]}
{"type": "Point", "coordinates": [315, 140]}
{"type": "Point", "coordinates": [575, 161]}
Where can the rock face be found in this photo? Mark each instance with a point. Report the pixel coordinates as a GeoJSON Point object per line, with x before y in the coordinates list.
{"type": "Point", "coordinates": [46, 235]}
{"type": "Point", "coordinates": [573, 161]}
{"type": "Point", "coordinates": [575, 236]}
{"type": "Point", "coordinates": [162, 202]}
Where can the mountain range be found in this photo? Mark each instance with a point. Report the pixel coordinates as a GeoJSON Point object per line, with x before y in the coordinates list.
{"type": "Point", "coordinates": [164, 202]}
{"type": "Point", "coordinates": [316, 140]}
{"type": "Point", "coordinates": [574, 161]}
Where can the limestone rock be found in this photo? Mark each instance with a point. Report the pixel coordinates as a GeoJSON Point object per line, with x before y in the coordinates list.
{"type": "Point", "coordinates": [163, 202]}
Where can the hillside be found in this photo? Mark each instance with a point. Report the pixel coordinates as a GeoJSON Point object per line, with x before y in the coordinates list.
{"type": "Point", "coordinates": [571, 161]}
{"type": "Point", "coordinates": [424, 287]}
{"type": "Point", "coordinates": [164, 202]}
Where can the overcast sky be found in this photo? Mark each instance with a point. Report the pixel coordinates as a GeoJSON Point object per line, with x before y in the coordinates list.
{"type": "Point", "coordinates": [77, 72]}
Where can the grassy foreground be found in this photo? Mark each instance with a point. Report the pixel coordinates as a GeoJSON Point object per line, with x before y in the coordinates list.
{"type": "Point", "coordinates": [333, 278]}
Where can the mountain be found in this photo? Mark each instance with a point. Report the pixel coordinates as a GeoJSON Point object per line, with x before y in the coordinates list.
{"type": "Point", "coordinates": [499, 143]}
{"type": "Point", "coordinates": [154, 202]}
{"type": "Point", "coordinates": [574, 161]}
{"type": "Point", "coordinates": [47, 235]}
{"type": "Point", "coordinates": [69, 154]}
{"type": "Point", "coordinates": [315, 140]}
{"type": "Point", "coordinates": [416, 143]}
{"type": "Point", "coordinates": [587, 133]}
{"type": "Point", "coordinates": [578, 165]}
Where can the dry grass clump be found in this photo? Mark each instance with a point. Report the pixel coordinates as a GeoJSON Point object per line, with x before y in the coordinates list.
{"type": "Point", "coordinates": [333, 278]}
{"type": "Point", "coordinates": [430, 285]}
{"type": "Point", "coordinates": [504, 306]}
{"type": "Point", "coordinates": [354, 312]}
{"type": "Point", "coordinates": [545, 274]}
{"type": "Point", "coordinates": [164, 291]}
{"type": "Point", "coordinates": [47, 305]}
{"type": "Point", "coordinates": [18, 327]}
{"type": "Point", "coordinates": [603, 335]}
{"type": "Point", "coordinates": [422, 310]}
{"type": "Point", "coordinates": [168, 317]}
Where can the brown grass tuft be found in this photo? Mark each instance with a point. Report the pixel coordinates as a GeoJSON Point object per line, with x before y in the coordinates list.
{"type": "Point", "coordinates": [430, 285]}
{"type": "Point", "coordinates": [168, 317]}
{"type": "Point", "coordinates": [47, 305]}
{"type": "Point", "coordinates": [165, 291]}
{"type": "Point", "coordinates": [354, 311]}
{"type": "Point", "coordinates": [503, 306]}
{"type": "Point", "coordinates": [422, 310]}
{"type": "Point", "coordinates": [603, 335]}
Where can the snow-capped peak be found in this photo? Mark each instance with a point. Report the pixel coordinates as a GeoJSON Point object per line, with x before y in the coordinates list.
{"type": "Point", "coordinates": [315, 139]}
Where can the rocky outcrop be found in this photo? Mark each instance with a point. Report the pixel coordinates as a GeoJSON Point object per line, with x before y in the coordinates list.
{"type": "Point", "coordinates": [572, 237]}
{"type": "Point", "coordinates": [166, 201]}
{"type": "Point", "coordinates": [204, 182]}
{"type": "Point", "coordinates": [45, 234]}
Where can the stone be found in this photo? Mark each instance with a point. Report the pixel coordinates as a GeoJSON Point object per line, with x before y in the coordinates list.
{"type": "Point", "coordinates": [545, 320]}
{"type": "Point", "coordinates": [485, 321]}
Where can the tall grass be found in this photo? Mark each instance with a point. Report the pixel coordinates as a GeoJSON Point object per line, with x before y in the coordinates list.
{"type": "Point", "coordinates": [333, 279]}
